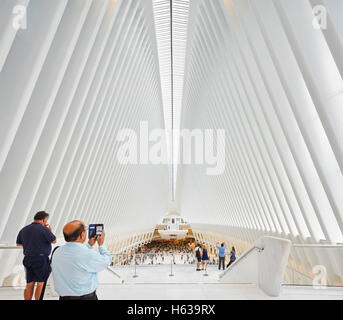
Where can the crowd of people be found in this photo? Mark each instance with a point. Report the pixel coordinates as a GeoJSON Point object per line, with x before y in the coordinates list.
{"type": "Point", "coordinates": [160, 252]}
{"type": "Point", "coordinates": [181, 252]}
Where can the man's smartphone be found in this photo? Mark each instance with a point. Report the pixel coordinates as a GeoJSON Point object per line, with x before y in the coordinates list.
{"type": "Point", "coordinates": [95, 230]}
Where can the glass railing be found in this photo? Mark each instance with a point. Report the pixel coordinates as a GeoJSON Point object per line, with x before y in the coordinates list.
{"type": "Point", "coordinates": [124, 259]}
{"type": "Point", "coordinates": [12, 272]}
{"type": "Point", "coordinates": [163, 268]}
{"type": "Point", "coordinates": [308, 265]}
{"type": "Point", "coordinates": [315, 265]}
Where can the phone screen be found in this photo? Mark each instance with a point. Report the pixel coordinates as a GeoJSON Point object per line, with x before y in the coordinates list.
{"type": "Point", "coordinates": [99, 228]}
{"type": "Point", "coordinates": [91, 230]}
{"type": "Point", "coordinates": [95, 230]}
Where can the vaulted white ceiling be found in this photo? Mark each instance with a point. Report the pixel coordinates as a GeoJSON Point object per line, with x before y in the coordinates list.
{"type": "Point", "coordinates": [171, 23]}
{"type": "Point", "coordinates": [79, 71]}
{"type": "Point", "coordinates": [266, 73]}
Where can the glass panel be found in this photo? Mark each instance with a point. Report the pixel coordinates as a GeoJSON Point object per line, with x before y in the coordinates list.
{"type": "Point", "coordinates": [12, 272]}
{"type": "Point", "coordinates": [315, 265]}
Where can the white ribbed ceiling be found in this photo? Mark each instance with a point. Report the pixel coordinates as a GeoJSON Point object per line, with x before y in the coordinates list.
{"type": "Point", "coordinates": [82, 70]}
{"type": "Point", "coordinates": [264, 73]}
{"type": "Point", "coordinates": [171, 22]}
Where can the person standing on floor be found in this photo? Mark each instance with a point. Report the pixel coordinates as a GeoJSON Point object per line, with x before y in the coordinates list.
{"type": "Point", "coordinates": [204, 258]}
{"type": "Point", "coordinates": [198, 256]}
{"type": "Point", "coordinates": [36, 240]}
{"type": "Point", "coordinates": [75, 266]}
{"type": "Point", "coordinates": [222, 250]}
{"type": "Point", "coordinates": [232, 256]}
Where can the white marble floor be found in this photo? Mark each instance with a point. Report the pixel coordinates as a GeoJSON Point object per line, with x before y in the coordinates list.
{"type": "Point", "coordinates": [189, 292]}
{"type": "Point", "coordinates": [154, 283]}
{"type": "Point", "coordinates": [161, 274]}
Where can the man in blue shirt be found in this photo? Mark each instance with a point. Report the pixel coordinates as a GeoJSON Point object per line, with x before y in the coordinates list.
{"type": "Point", "coordinates": [36, 240]}
{"type": "Point", "coordinates": [222, 250]}
{"type": "Point", "coordinates": [75, 266]}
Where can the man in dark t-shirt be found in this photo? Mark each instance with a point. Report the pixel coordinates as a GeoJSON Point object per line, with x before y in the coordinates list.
{"type": "Point", "coordinates": [36, 240]}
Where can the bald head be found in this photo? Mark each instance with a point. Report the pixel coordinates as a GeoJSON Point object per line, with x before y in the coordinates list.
{"type": "Point", "coordinates": [73, 230]}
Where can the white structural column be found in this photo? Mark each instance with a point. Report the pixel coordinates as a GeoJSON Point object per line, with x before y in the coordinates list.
{"type": "Point", "coordinates": [20, 158]}
{"type": "Point", "coordinates": [12, 14]}
{"type": "Point", "coordinates": [262, 71]}
{"type": "Point", "coordinates": [17, 81]}
{"type": "Point", "coordinates": [82, 71]}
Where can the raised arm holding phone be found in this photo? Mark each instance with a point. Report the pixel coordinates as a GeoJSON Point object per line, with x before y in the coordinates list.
{"type": "Point", "coordinates": [75, 265]}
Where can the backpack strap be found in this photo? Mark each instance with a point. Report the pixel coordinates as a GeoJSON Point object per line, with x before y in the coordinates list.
{"type": "Point", "coordinates": [47, 274]}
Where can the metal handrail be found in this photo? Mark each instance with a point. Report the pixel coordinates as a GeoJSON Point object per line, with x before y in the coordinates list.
{"type": "Point", "coordinates": [244, 255]}
{"type": "Point", "coordinates": [111, 269]}
{"type": "Point", "coordinates": [11, 247]}
{"type": "Point", "coordinates": [309, 278]}
{"type": "Point", "coordinates": [302, 274]}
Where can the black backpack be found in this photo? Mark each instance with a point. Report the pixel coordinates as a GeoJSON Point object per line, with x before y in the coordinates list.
{"type": "Point", "coordinates": [197, 253]}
